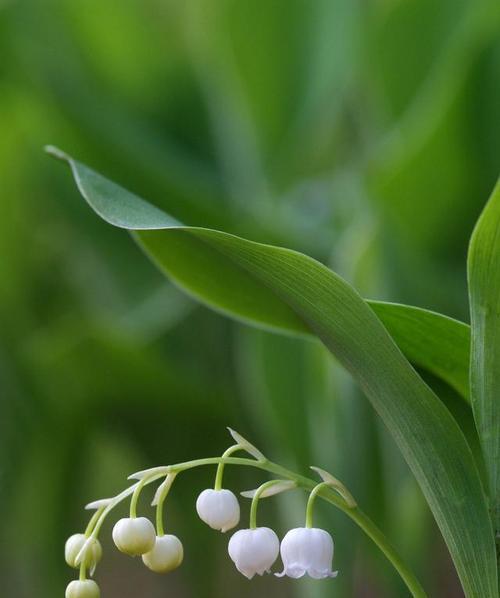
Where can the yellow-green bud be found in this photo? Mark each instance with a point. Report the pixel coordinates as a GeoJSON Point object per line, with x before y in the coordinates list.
{"type": "Point", "coordinates": [134, 535]}
{"type": "Point", "coordinates": [86, 588]}
{"type": "Point", "coordinates": [74, 545]}
{"type": "Point", "coordinates": [166, 555]}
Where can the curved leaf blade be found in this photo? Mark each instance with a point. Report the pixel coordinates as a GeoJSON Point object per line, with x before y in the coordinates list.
{"type": "Point", "coordinates": [430, 340]}
{"type": "Point", "coordinates": [306, 296]}
{"type": "Point", "coordinates": [484, 291]}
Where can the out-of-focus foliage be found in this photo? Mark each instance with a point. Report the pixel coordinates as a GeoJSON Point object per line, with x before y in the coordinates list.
{"type": "Point", "coordinates": [273, 285]}
{"type": "Point", "coordinates": [366, 133]}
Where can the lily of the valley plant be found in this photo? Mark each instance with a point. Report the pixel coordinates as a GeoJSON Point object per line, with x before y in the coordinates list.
{"type": "Point", "coordinates": [381, 345]}
{"type": "Point", "coordinates": [304, 550]}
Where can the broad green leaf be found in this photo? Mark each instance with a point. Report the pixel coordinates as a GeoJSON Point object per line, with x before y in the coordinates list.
{"type": "Point", "coordinates": [484, 290]}
{"type": "Point", "coordinates": [430, 340]}
{"type": "Point", "coordinates": [286, 290]}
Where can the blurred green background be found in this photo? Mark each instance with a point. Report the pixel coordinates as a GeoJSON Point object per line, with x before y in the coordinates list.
{"type": "Point", "coordinates": [363, 132]}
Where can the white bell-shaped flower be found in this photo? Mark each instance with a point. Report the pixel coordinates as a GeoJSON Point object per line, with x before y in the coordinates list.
{"type": "Point", "coordinates": [86, 588]}
{"type": "Point", "coordinates": [166, 555]}
{"type": "Point", "coordinates": [254, 550]}
{"type": "Point", "coordinates": [74, 545]}
{"type": "Point", "coordinates": [219, 509]}
{"type": "Point", "coordinates": [307, 550]}
{"type": "Point", "coordinates": [134, 535]}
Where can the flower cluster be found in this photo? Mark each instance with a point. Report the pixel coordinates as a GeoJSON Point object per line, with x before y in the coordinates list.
{"type": "Point", "coordinates": [304, 550]}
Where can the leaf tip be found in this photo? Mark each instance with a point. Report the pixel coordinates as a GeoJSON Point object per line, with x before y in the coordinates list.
{"type": "Point", "coordinates": [55, 152]}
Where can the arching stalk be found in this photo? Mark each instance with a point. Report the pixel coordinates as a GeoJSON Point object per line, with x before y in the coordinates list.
{"type": "Point", "coordinates": [328, 494]}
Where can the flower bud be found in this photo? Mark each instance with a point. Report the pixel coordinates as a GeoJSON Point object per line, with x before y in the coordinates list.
{"type": "Point", "coordinates": [74, 545]}
{"type": "Point", "coordinates": [166, 555]}
{"type": "Point", "coordinates": [219, 509]}
{"type": "Point", "coordinates": [83, 589]}
{"type": "Point", "coordinates": [134, 536]}
{"type": "Point", "coordinates": [254, 550]}
{"type": "Point", "coordinates": [307, 550]}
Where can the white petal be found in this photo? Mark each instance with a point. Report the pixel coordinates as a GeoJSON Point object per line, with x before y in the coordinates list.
{"type": "Point", "coordinates": [320, 550]}
{"type": "Point", "coordinates": [218, 508]}
{"type": "Point", "coordinates": [291, 548]}
{"type": "Point", "coordinates": [322, 574]}
{"type": "Point", "coordinates": [293, 571]}
{"type": "Point", "coordinates": [307, 550]}
{"type": "Point", "coordinates": [254, 551]}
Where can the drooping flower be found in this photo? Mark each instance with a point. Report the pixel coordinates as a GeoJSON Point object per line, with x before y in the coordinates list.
{"type": "Point", "coordinates": [86, 588]}
{"type": "Point", "coordinates": [219, 509]}
{"type": "Point", "coordinates": [166, 555]}
{"type": "Point", "coordinates": [134, 535]}
{"type": "Point", "coordinates": [307, 550]}
{"type": "Point", "coordinates": [73, 546]}
{"type": "Point", "coordinates": [254, 550]}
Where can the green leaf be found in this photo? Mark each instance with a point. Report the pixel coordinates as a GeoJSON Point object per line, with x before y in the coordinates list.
{"type": "Point", "coordinates": [430, 340]}
{"type": "Point", "coordinates": [282, 289]}
{"type": "Point", "coordinates": [484, 290]}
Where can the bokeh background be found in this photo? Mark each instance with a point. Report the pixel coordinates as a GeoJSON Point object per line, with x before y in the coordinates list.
{"type": "Point", "coordinates": [363, 132]}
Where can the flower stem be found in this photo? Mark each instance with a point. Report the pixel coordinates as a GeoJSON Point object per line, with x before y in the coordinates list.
{"type": "Point", "coordinates": [311, 500]}
{"type": "Point", "coordinates": [220, 468]}
{"type": "Point", "coordinates": [327, 494]}
{"type": "Point", "coordinates": [161, 499]}
{"type": "Point", "coordinates": [135, 497]}
{"type": "Point", "coordinates": [93, 520]}
{"type": "Point", "coordinates": [255, 500]}
{"type": "Point", "coordinates": [377, 536]}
